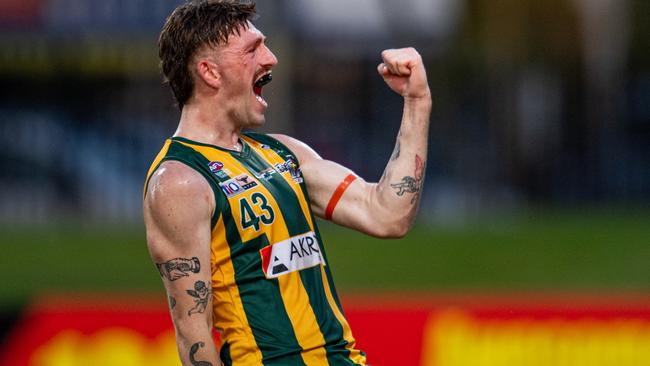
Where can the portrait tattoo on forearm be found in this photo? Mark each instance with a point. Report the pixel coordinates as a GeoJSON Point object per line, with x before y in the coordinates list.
{"type": "Point", "coordinates": [178, 267]}
{"type": "Point", "coordinates": [201, 295]}
{"type": "Point", "coordinates": [195, 348]}
{"type": "Point", "coordinates": [412, 184]}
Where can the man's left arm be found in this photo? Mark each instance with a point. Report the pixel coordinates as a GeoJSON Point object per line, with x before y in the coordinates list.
{"type": "Point", "coordinates": [386, 208]}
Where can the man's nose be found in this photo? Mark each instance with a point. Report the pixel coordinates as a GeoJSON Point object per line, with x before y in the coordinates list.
{"type": "Point", "coordinates": [268, 59]}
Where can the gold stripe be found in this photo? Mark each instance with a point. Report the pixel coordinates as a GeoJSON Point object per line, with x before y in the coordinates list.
{"type": "Point", "coordinates": [294, 295]}
{"type": "Point", "coordinates": [228, 309]}
{"type": "Point", "coordinates": [355, 354]}
{"type": "Point", "coordinates": [303, 319]}
{"type": "Point", "coordinates": [154, 164]}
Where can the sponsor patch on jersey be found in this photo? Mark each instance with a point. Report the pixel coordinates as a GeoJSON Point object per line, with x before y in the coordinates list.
{"type": "Point", "coordinates": [291, 255]}
{"type": "Point", "coordinates": [290, 166]}
{"type": "Point", "coordinates": [266, 174]}
{"type": "Point", "coordinates": [237, 185]}
{"type": "Point", "coordinates": [217, 168]}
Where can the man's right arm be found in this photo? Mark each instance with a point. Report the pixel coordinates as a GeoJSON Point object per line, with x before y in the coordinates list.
{"type": "Point", "coordinates": [177, 210]}
{"type": "Point", "coordinates": [385, 209]}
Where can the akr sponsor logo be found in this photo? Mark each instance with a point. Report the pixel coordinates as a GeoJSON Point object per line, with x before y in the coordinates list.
{"type": "Point", "coordinates": [294, 254]}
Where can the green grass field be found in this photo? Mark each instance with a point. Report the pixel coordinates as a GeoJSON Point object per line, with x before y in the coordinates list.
{"type": "Point", "coordinates": [542, 252]}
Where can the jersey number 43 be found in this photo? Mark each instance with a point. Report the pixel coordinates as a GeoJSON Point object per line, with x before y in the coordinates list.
{"type": "Point", "coordinates": [248, 216]}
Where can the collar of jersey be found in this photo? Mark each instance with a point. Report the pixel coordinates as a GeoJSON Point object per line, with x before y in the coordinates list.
{"type": "Point", "coordinates": [245, 150]}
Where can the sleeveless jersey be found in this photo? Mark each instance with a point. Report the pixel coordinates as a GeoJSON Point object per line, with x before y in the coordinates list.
{"type": "Point", "coordinates": [274, 302]}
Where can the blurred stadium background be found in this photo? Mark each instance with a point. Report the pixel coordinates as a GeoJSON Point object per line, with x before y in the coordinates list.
{"type": "Point", "coordinates": [538, 182]}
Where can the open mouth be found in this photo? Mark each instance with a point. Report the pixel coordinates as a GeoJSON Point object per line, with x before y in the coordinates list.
{"type": "Point", "coordinates": [259, 84]}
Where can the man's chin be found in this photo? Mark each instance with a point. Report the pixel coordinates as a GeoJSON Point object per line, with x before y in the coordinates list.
{"type": "Point", "coordinates": [256, 121]}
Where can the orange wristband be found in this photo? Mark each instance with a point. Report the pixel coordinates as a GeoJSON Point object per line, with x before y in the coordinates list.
{"type": "Point", "coordinates": [336, 196]}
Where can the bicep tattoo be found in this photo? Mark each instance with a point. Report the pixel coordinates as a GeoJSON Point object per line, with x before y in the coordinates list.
{"type": "Point", "coordinates": [179, 267]}
{"type": "Point", "coordinates": [201, 296]}
{"type": "Point", "coordinates": [412, 184]}
{"type": "Point", "coordinates": [195, 348]}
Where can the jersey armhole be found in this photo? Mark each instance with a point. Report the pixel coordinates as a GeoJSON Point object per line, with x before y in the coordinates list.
{"type": "Point", "coordinates": [216, 192]}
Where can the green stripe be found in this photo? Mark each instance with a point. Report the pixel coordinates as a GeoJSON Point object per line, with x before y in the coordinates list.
{"type": "Point", "coordinates": [329, 326]}
{"type": "Point", "coordinates": [311, 278]}
{"type": "Point", "coordinates": [224, 354]}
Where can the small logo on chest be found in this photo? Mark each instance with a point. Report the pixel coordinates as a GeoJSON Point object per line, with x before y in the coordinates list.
{"type": "Point", "coordinates": [290, 166]}
{"type": "Point", "coordinates": [217, 168]}
{"type": "Point", "coordinates": [237, 185]}
{"type": "Point", "coordinates": [266, 174]}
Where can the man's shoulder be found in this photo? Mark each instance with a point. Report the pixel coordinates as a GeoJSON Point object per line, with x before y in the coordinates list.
{"type": "Point", "coordinates": [176, 179]}
{"type": "Point", "coordinates": [178, 199]}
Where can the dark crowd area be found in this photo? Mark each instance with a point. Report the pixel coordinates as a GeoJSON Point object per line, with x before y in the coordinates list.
{"type": "Point", "coordinates": [536, 104]}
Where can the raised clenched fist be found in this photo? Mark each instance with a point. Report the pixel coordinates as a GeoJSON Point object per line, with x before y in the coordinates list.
{"type": "Point", "coordinates": [403, 71]}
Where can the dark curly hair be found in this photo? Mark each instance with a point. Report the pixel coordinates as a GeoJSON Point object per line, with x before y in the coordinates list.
{"type": "Point", "coordinates": [191, 26]}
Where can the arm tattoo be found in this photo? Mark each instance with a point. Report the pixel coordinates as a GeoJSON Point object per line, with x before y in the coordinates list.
{"type": "Point", "coordinates": [195, 348]}
{"type": "Point", "coordinates": [178, 267]}
{"type": "Point", "coordinates": [412, 184]}
{"type": "Point", "coordinates": [201, 295]}
{"type": "Point", "coordinates": [172, 303]}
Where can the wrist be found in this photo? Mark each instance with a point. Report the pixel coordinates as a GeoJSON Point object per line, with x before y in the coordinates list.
{"type": "Point", "coordinates": [424, 98]}
{"type": "Point", "coordinates": [419, 103]}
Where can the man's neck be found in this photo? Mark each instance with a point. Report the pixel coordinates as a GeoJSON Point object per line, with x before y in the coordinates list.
{"type": "Point", "coordinates": [207, 126]}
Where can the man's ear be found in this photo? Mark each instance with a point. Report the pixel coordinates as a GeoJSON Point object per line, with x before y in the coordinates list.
{"type": "Point", "coordinates": [207, 71]}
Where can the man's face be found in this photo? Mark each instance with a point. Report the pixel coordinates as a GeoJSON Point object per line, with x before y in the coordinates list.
{"type": "Point", "coordinates": [243, 62]}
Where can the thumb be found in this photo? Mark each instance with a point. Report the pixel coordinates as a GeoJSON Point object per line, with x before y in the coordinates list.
{"type": "Point", "coordinates": [382, 69]}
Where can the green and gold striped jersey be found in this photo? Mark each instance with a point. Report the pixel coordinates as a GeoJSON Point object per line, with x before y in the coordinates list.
{"type": "Point", "coordinates": [274, 302]}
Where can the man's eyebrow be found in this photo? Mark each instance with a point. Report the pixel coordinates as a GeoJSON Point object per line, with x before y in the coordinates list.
{"type": "Point", "coordinates": [259, 39]}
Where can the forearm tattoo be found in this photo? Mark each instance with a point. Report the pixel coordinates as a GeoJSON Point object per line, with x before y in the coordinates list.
{"type": "Point", "coordinates": [412, 184]}
{"type": "Point", "coordinates": [201, 296]}
{"type": "Point", "coordinates": [195, 348]}
{"type": "Point", "coordinates": [178, 267]}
